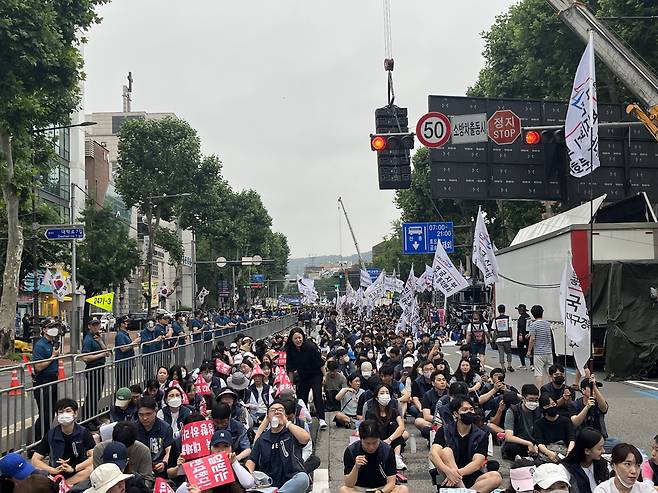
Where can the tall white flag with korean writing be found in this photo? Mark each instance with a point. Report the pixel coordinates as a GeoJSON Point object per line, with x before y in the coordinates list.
{"type": "Point", "coordinates": [581, 128]}
{"type": "Point", "coordinates": [574, 315]}
{"type": "Point", "coordinates": [446, 277]}
{"type": "Point", "coordinates": [408, 291]}
{"type": "Point", "coordinates": [484, 257]}
{"type": "Point", "coordinates": [365, 279]}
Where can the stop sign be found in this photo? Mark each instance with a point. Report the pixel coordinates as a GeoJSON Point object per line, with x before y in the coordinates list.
{"type": "Point", "coordinates": [504, 127]}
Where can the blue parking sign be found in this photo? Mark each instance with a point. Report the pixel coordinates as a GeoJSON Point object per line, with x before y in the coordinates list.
{"type": "Point", "coordinates": [420, 238]}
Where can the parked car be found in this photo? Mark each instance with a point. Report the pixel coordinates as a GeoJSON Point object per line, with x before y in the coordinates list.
{"type": "Point", "coordinates": [107, 320]}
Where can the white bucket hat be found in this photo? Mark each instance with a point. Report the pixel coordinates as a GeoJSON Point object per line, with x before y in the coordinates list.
{"type": "Point", "coordinates": [104, 477]}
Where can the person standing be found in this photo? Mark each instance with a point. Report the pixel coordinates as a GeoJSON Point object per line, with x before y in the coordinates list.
{"type": "Point", "coordinates": [541, 344]}
{"type": "Point", "coordinates": [501, 327]}
{"type": "Point", "coordinates": [25, 322]}
{"type": "Point", "coordinates": [124, 352]}
{"type": "Point", "coordinates": [522, 337]}
{"type": "Point", "coordinates": [151, 338]}
{"type": "Point", "coordinates": [96, 351]}
{"type": "Point", "coordinates": [303, 357]}
{"type": "Point", "coordinates": [46, 350]}
{"type": "Point", "coordinates": [476, 336]}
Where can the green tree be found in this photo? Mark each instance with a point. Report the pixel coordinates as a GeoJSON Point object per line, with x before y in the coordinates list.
{"type": "Point", "coordinates": [107, 256]}
{"type": "Point", "coordinates": [40, 71]}
{"type": "Point", "coordinates": [157, 158]}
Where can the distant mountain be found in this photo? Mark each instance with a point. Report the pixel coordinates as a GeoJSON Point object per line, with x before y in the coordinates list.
{"type": "Point", "coordinates": [297, 265]}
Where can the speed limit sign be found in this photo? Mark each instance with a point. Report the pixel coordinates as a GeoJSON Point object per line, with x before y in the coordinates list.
{"type": "Point", "coordinates": [433, 129]}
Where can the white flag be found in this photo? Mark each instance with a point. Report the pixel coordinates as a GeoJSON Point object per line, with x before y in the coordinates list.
{"type": "Point", "coordinates": [414, 315]}
{"type": "Point", "coordinates": [483, 252]}
{"type": "Point", "coordinates": [447, 278]}
{"type": "Point", "coordinates": [408, 291]}
{"type": "Point", "coordinates": [574, 315]}
{"type": "Point", "coordinates": [366, 280]}
{"type": "Point", "coordinates": [201, 297]}
{"type": "Point", "coordinates": [402, 323]}
{"type": "Point", "coordinates": [581, 128]}
{"type": "Point", "coordinates": [377, 289]}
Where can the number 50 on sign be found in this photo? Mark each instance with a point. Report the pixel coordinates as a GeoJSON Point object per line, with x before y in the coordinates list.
{"type": "Point", "coordinates": [433, 129]}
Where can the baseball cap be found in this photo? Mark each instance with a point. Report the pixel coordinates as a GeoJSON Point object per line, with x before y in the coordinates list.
{"type": "Point", "coordinates": [408, 362]}
{"type": "Point", "coordinates": [521, 305]}
{"type": "Point", "coordinates": [547, 475]}
{"type": "Point", "coordinates": [522, 478]}
{"type": "Point", "coordinates": [122, 319]}
{"type": "Point", "coordinates": [15, 466]}
{"type": "Point", "coordinates": [104, 477]}
{"type": "Point", "coordinates": [94, 321]}
{"type": "Point", "coordinates": [123, 395]}
{"type": "Point", "coordinates": [116, 453]}
{"type": "Point", "coordinates": [221, 436]}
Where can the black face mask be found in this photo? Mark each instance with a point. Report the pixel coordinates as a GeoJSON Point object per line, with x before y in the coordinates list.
{"type": "Point", "coordinates": [559, 380]}
{"type": "Point", "coordinates": [468, 418]}
{"type": "Point", "coordinates": [551, 412]}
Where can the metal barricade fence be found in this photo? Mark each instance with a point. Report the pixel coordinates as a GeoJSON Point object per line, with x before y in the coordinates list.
{"type": "Point", "coordinates": [23, 407]}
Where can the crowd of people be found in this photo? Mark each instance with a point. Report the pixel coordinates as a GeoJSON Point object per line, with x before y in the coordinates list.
{"type": "Point", "coordinates": [268, 398]}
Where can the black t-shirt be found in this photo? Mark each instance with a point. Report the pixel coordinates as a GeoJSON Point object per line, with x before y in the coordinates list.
{"type": "Point", "coordinates": [71, 452]}
{"type": "Point", "coordinates": [380, 466]}
{"type": "Point", "coordinates": [461, 456]}
{"type": "Point", "coordinates": [430, 399]}
{"type": "Point", "coordinates": [547, 432]}
{"type": "Point", "coordinates": [385, 426]}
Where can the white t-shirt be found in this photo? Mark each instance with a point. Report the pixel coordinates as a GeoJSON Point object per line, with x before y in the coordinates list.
{"type": "Point", "coordinates": [589, 472]}
{"type": "Point", "coordinates": [609, 487]}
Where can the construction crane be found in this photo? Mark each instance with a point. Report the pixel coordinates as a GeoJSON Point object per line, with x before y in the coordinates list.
{"type": "Point", "coordinates": [349, 225]}
{"type": "Point", "coordinates": [636, 76]}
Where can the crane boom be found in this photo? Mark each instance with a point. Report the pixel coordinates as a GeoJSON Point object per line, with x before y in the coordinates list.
{"type": "Point", "coordinates": [349, 225]}
{"type": "Point", "coordinates": [636, 76]}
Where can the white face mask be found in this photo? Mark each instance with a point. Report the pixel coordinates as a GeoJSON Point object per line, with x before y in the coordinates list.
{"type": "Point", "coordinates": [53, 332]}
{"type": "Point", "coordinates": [427, 374]}
{"type": "Point", "coordinates": [65, 418]}
{"type": "Point", "coordinates": [624, 483]}
{"type": "Point", "coordinates": [274, 422]}
{"type": "Point", "coordinates": [174, 401]}
{"type": "Point", "coordinates": [384, 399]}
{"type": "Point", "coordinates": [531, 405]}
{"type": "Point", "coordinates": [366, 374]}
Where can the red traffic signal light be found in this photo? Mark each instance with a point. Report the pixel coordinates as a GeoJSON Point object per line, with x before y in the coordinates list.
{"type": "Point", "coordinates": [377, 143]}
{"type": "Point", "coordinates": [532, 137]}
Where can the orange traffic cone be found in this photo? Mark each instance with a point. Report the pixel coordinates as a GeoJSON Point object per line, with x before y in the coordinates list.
{"type": "Point", "coordinates": [29, 367]}
{"type": "Point", "coordinates": [61, 375]}
{"type": "Point", "coordinates": [15, 383]}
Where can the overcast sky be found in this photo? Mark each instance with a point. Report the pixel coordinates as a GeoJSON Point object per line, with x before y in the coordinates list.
{"type": "Point", "coordinates": [284, 92]}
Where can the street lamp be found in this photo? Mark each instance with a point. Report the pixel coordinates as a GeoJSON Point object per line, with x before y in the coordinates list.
{"type": "Point", "coordinates": [149, 253]}
{"type": "Point", "coordinates": [222, 262]}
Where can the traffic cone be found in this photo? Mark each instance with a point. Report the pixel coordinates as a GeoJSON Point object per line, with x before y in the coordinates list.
{"type": "Point", "coordinates": [29, 367]}
{"type": "Point", "coordinates": [15, 383]}
{"type": "Point", "coordinates": [61, 375]}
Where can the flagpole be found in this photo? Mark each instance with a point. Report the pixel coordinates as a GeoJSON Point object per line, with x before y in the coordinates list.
{"type": "Point", "coordinates": [591, 191]}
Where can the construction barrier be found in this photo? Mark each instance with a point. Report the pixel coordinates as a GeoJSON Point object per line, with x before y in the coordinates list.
{"type": "Point", "coordinates": [26, 397]}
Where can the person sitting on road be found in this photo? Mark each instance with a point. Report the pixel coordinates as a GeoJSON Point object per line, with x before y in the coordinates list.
{"type": "Point", "coordinates": [333, 382]}
{"type": "Point", "coordinates": [68, 446]}
{"type": "Point", "coordinates": [175, 473]}
{"type": "Point", "coordinates": [472, 358]}
{"type": "Point", "coordinates": [590, 410]}
{"type": "Point", "coordinates": [584, 463]}
{"type": "Point", "coordinates": [429, 403]}
{"type": "Point", "coordinates": [520, 423]}
{"type": "Point", "coordinates": [459, 451]}
{"type": "Point", "coordinates": [626, 462]}
{"type": "Point", "coordinates": [397, 389]}
{"type": "Point", "coordinates": [117, 453]}
{"type": "Point", "coordinates": [369, 464]}
{"type": "Point", "coordinates": [419, 387]}
{"type": "Point", "coordinates": [551, 478]}
{"type": "Point", "coordinates": [558, 390]}
{"type": "Point", "coordinates": [553, 434]}
{"type": "Point", "coordinates": [260, 395]}
{"type": "Point", "coordinates": [278, 451]}
{"type": "Point", "coordinates": [123, 408]}
{"type": "Point", "coordinates": [173, 412]}
{"type": "Point", "coordinates": [16, 467]}
{"type": "Point", "coordinates": [153, 390]}
{"type": "Point", "coordinates": [385, 413]}
{"type": "Point", "coordinates": [108, 478]}
{"type": "Point", "coordinates": [348, 398]}
{"type": "Point", "coordinates": [155, 434]}
{"type": "Point", "coordinates": [650, 465]}
{"type": "Point", "coordinates": [139, 455]}
{"type": "Point", "coordinates": [222, 419]}
{"type": "Point", "coordinates": [465, 373]}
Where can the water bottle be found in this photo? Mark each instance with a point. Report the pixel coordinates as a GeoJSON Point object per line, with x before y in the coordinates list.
{"type": "Point", "coordinates": [412, 443]}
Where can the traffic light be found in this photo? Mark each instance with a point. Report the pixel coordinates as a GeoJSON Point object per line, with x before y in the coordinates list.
{"type": "Point", "coordinates": [392, 142]}
{"type": "Point", "coordinates": [555, 149]}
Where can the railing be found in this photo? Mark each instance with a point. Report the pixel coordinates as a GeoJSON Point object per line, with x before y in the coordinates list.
{"type": "Point", "coordinates": [93, 388]}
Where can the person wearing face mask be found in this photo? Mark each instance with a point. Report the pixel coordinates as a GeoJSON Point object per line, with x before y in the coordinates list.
{"type": "Point", "coordinates": [383, 409]}
{"type": "Point", "coordinates": [551, 478]}
{"type": "Point", "coordinates": [459, 452]}
{"type": "Point", "coordinates": [519, 425]}
{"type": "Point", "coordinates": [124, 352]}
{"type": "Point", "coordinates": [558, 390]}
{"type": "Point", "coordinates": [397, 389]}
{"type": "Point", "coordinates": [45, 351]}
{"type": "Point", "coordinates": [553, 433]}
{"type": "Point", "coordinates": [626, 461]}
{"type": "Point", "coordinates": [151, 336]}
{"type": "Point", "coordinates": [584, 463]}
{"type": "Point", "coordinates": [94, 355]}
{"type": "Point", "coordinates": [345, 365]}
{"type": "Point", "coordinates": [173, 412]}
{"type": "Point", "coordinates": [68, 446]}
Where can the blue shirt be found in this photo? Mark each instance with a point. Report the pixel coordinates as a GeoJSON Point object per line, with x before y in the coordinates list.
{"type": "Point", "coordinates": [196, 324]}
{"type": "Point", "coordinates": [122, 339]}
{"type": "Point", "coordinates": [91, 345]}
{"type": "Point", "coordinates": [150, 335]}
{"type": "Point", "coordinates": [43, 349]}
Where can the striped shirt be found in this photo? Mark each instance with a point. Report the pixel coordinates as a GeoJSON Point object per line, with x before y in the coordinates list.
{"type": "Point", "coordinates": [541, 329]}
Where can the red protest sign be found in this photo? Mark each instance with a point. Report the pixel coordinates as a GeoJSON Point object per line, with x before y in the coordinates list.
{"type": "Point", "coordinates": [281, 359]}
{"type": "Point", "coordinates": [161, 486]}
{"type": "Point", "coordinates": [222, 367]}
{"type": "Point", "coordinates": [196, 439]}
{"type": "Point", "coordinates": [63, 486]}
{"type": "Point", "coordinates": [209, 472]}
{"type": "Point", "coordinates": [202, 386]}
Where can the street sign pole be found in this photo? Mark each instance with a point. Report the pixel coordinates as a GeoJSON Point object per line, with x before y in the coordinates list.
{"type": "Point", "coordinates": [75, 318]}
